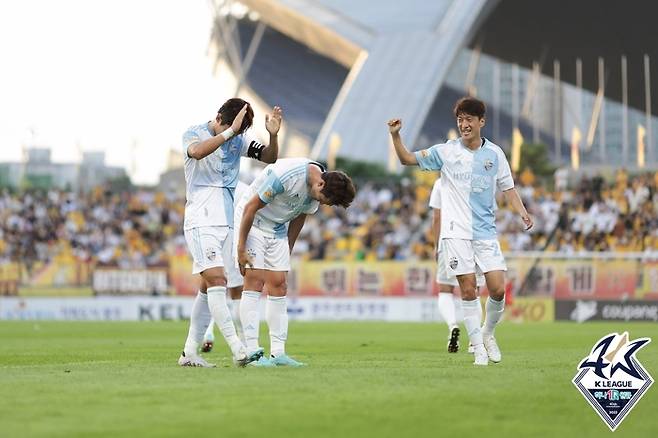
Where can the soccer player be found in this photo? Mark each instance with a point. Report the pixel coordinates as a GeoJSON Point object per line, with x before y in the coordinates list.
{"type": "Point", "coordinates": [448, 304]}
{"type": "Point", "coordinates": [212, 162]}
{"type": "Point", "coordinates": [268, 219]}
{"type": "Point", "coordinates": [234, 282]}
{"type": "Point", "coordinates": [471, 169]}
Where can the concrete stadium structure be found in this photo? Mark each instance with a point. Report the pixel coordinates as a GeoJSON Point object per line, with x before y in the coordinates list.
{"type": "Point", "coordinates": [341, 68]}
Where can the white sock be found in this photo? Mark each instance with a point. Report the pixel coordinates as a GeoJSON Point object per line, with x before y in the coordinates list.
{"type": "Point", "coordinates": [495, 311]}
{"type": "Point", "coordinates": [459, 313]}
{"type": "Point", "coordinates": [447, 309]}
{"type": "Point", "coordinates": [480, 313]}
{"type": "Point", "coordinates": [210, 331]}
{"type": "Point", "coordinates": [234, 307]}
{"type": "Point", "coordinates": [222, 316]}
{"type": "Point", "coordinates": [199, 319]}
{"type": "Point", "coordinates": [250, 318]}
{"type": "Point", "coordinates": [472, 321]}
{"type": "Point", "coordinates": [276, 314]}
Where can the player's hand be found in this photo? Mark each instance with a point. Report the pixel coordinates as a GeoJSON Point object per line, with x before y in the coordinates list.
{"type": "Point", "coordinates": [244, 261]}
{"type": "Point", "coordinates": [394, 126]}
{"type": "Point", "coordinates": [527, 221]}
{"type": "Point", "coordinates": [236, 126]}
{"type": "Point", "coordinates": [273, 121]}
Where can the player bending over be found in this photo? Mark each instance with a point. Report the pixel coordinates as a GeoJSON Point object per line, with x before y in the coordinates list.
{"type": "Point", "coordinates": [471, 169]}
{"type": "Point", "coordinates": [268, 220]}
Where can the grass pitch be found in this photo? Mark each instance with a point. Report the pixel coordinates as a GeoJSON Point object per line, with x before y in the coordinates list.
{"type": "Point", "coordinates": [363, 379]}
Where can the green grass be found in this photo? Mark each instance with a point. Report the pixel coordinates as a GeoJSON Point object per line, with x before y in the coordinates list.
{"type": "Point", "coordinates": [363, 379]}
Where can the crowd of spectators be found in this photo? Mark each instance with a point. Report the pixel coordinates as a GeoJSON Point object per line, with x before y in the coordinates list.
{"type": "Point", "coordinates": [388, 220]}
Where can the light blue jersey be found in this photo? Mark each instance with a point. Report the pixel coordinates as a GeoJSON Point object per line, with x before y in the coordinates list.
{"type": "Point", "coordinates": [468, 185]}
{"type": "Point", "coordinates": [210, 181]}
{"type": "Point", "coordinates": [284, 187]}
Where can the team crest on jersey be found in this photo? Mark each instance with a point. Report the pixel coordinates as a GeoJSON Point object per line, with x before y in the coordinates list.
{"type": "Point", "coordinates": [488, 164]}
{"type": "Point", "coordinates": [424, 153]}
{"type": "Point", "coordinates": [453, 263]}
{"type": "Point", "coordinates": [612, 379]}
{"type": "Point", "coordinates": [211, 254]}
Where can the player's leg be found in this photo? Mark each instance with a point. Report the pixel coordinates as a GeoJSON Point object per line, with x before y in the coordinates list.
{"type": "Point", "coordinates": [277, 265]}
{"type": "Point", "coordinates": [254, 281]}
{"type": "Point", "coordinates": [490, 259]}
{"type": "Point", "coordinates": [235, 295]}
{"type": "Point", "coordinates": [213, 239]}
{"type": "Point", "coordinates": [209, 335]}
{"type": "Point", "coordinates": [234, 283]}
{"type": "Point", "coordinates": [199, 319]}
{"type": "Point", "coordinates": [200, 316]}
{"type": "Point", "coordinates": [446, 302]}
{"type": "Point", "coordinates": [461, 263]}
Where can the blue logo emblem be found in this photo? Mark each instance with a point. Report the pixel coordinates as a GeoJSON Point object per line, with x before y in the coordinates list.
{"type": "Point", "coordinates": [612, 379]}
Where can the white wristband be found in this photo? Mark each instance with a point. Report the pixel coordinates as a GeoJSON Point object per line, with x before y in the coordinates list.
{"type": "Point", "coordinates": [227, 134]}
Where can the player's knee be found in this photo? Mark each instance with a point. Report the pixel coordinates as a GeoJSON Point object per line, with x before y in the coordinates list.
{"type": "Point", "coordinates": [215, 280]}
{"type": "Point", "coordinates": [278, 288]}
{"type": "Point", "coordinates": [468, 293]}
{"type": "Point", "coordinates": [497, 293]}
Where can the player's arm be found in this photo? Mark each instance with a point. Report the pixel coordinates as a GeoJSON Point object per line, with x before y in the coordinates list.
{"type": "Point", "coordinates": [406, 158]}
{"type": "Point", "coordinates": [202, 149]}
{"type": "Point", "coordinates": [436, 227]}
{"type": "Point", "coordinates": [248, 215]}
{"type": "Point", "coordinates": [272, 123]}
{"type": "Point", "coordinates": [505, 183]}
{"type": "Point", "coordinates": [294, 228]}
{"type": "Point", "coordinates": [513, 198]}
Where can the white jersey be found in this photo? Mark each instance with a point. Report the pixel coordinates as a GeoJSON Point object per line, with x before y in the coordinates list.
{"type": "Point", "coordinates": [283, 186]}
{"type": "Point", "coordinates": [468, 185]}
{"type": "Point", "coordinates": [210, 181]}
{"type": "Point", "coordinates": [435, 196]}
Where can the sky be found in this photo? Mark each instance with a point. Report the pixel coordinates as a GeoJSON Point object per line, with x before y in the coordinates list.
{"type": "Point", "coordinates": [126, 77]}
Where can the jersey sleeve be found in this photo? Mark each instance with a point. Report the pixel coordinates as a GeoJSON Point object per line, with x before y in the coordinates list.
{"type": "Point", "coordinates": [270, 187]}
{"type": "Point", "coordinates": [312, 208]}
{"type": "Point", "coordinates": [430, 158]}
{"type": "Point", "coordinates": [190, 137]}
{"type": "Point", "coordinates": [435, 196]}
{"type": "Point", "coordinates": [250, 147]}
{"type": "Point", "coordinates": [504, 178]}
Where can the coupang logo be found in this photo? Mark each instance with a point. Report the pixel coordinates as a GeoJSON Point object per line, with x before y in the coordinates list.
{"type": "Point", "coordinates": [612, 379]}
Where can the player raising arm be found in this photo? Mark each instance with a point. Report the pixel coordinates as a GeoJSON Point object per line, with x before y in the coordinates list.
{"type": "Point", "coordinates": [212, 153]}
{"type": "Point", "coordinates": [471, 168]}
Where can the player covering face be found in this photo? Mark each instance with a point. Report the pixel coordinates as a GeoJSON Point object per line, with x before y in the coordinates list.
{"type": "Point", "coordinates": [268, 221]}
{"type": "Point", "coordinates": [212, 153]}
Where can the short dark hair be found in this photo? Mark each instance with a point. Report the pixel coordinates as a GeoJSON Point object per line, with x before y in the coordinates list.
{"type": "Point", "coordinates": [471, 106]}
{"type": "Point", "coordinates": [338, 188]}
{"type": "Point", "coordinates": [231, 108]}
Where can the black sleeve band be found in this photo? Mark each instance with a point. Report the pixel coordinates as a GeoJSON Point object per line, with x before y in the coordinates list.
{"type": "Point", "coordinates": [255, 150]}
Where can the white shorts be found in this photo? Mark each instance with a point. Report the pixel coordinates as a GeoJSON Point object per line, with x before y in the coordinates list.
{"type": "Point", "coordinates": [233, 276]}
{"type": "Point", "coordinates": [206, 244]}
{"type": "Point", "coordinates": [472, 256]}
{"type": "Point", "coordinates": [442, 276]}
{"type": "Point", "coordinates": [266, 252]}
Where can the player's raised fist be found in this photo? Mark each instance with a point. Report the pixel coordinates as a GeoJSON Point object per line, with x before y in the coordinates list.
{"type": "Point", "coordinates": [394, 125]}
{"type": "Point", "coordinates": [273, 121]}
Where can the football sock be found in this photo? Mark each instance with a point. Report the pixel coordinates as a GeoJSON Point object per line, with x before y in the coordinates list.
{"type": "Point", "coordinates": [447, 309]}
{"type": "Point", "coordinates": [276, 314]}
{"type": "Point", "coordinates": [250, 318]}
{"type": "Point", "coordinates": [199, 319]}
{"type": "Point", "coordinates": [234, 307]}
{"type": "Point", "coordinates": [472, 321]}
{"type": "Point", "coordinates": [495, 311]}
{"type": "Point", "coordinates": [222, 316]}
